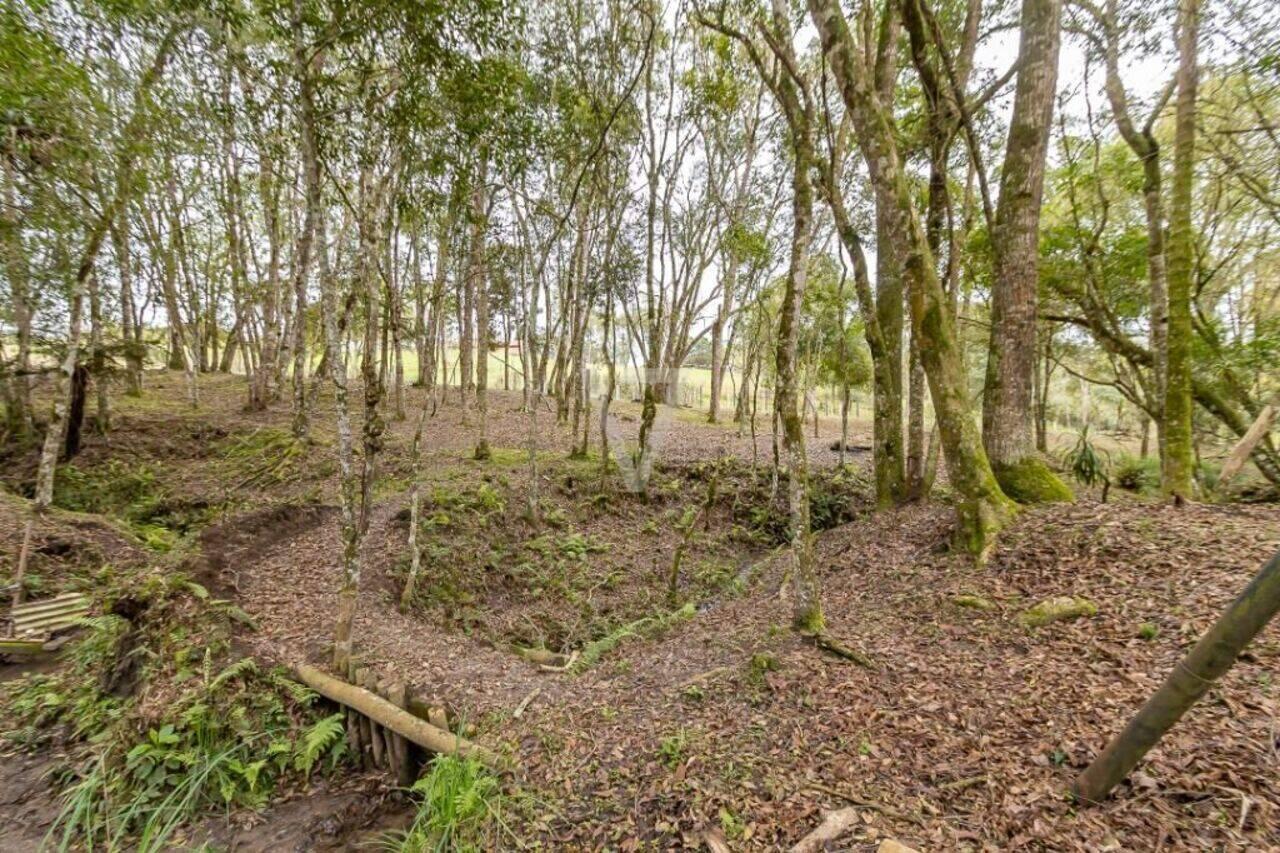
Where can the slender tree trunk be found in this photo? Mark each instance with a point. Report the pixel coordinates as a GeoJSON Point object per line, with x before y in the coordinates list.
{"type": "Point", "coordinates": [915, 421]}
{"type": "Point", "coordinates": [479, 286]}
{"type": "Point", "coordinates": [311, 179]}
{"type": "Point", "coordinates": [370, 288]}
{"type": "Point", "coordinates": [1178, 463]}
{"type": "Point", "coordinates": [15, 258]}
{"type": "Point", "coordinates": [718, 361]}
{"type": "Point", "coordinates": [62, 388]}
{"type": "Point", "coordinates": [336, 367]}
{"type": "Point", "coordinates": [98, 356]}
{"type": "Point", "coordinates": [131, 337]}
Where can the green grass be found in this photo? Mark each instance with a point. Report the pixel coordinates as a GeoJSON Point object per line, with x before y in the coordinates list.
{"type": "Point", "coordinates": [460, 808]}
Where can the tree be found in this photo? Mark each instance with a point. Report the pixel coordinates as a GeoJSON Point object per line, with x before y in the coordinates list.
{"type": "Point", "coordinates": [1178, 462]}
{"type": "Point", "coordinates": [982, 507]}
{"type": "Point", "coordinates": [1007, 409]}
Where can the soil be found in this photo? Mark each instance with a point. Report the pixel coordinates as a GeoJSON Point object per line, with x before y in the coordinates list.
{"type": "Point", "coordinates": [965, 734]}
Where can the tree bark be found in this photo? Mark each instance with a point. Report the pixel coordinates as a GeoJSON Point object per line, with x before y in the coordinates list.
{"type": "Point", "coordinates": [982, 507]}
{"type": "Point", "coordinates": [1178, 464]}
{"type": "Point", "coordinates": [1008, 431]}
{"type": "Point", "coordinates": [311, 178]}
{"type": "Point", "coordinates": [480, 288]}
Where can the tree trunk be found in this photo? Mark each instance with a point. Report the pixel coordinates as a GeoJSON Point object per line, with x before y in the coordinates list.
{"type": "Point", "coordinates": [98, 359]}
{"type": "Point", "coordinates": [134, 352]}
{"type": "Point", "coordinates": [915, 422]}
{"type": "Point", "coordinates": [479, 287]}
{"type": "Point", "coordinates": [982, 507]}
{"type": "Point", "coordinates": [1178, 464]}
{"type": "Point", "coordinates": [15, 257]}
{"type": "Point", "coordinates": [302, 264]}
{"type": "Point", "coordinates": [1008, 431]}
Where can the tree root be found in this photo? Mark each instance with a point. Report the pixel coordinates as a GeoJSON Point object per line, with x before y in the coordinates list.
{"type": "Point", "coordinates": [828, 643]}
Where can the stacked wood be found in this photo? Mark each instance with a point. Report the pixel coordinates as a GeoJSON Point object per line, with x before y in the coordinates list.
{"type": "Point", "coordinates": [381, 716]}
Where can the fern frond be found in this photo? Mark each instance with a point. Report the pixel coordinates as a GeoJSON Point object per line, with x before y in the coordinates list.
{"type": "Point", "coordinates": [242, 667]}
{"type": "Point", "coordinates": [299, 693]}
{"type": "Point", "coordinates": [319, 739]}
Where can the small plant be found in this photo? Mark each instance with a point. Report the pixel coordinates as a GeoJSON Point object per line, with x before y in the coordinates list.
{"type": "Point", "coordinates": [731, 825]}
{"type": "Point", "coordinates": [1087, 466]}
{"type": "Point", "coordinates": [762, 663]}
{"type": "Point", "coordinates": [1148, 631]}
{"type": "Point", "coordinates": [671, 749]}
{"type": "Point", "coordinates": [577, 546]}
{"type": "Point", "coordinates": [1137, 474]}
{"type": "Point", "coordinates": [648, 626]}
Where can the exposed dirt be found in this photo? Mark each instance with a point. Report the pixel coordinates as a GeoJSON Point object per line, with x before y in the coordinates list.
{"type": "Point", "coordinates": [965, 735]}
{"type": "Point", "coordinates": [28, 803]}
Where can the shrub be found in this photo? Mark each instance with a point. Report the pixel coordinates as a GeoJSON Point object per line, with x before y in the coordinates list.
{"type": "Point", "coordinates": [160, 723]}
{"type": "Point", "coordinates": [1137, 474]}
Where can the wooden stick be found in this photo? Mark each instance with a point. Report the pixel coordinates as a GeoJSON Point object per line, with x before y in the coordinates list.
{"type": "Point", "coordinates": [401, 759]}
{"type": "Point", "coordinates": [365, 724]}
{"type": "Point", "coordinates": [398, 720]}
{"type": "Point", "coordinates": [834, 825]}
{"type": "Point", "coordinates": [377, 735]}
{"type": "Point", "coordinates": [887, 811]}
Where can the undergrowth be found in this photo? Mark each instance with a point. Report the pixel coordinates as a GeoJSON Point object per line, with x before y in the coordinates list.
{"type": "Point", "coordinates": [134, 495]}
{"type": "Point", "coordinates": [461, 807]}
{"type": "Point", "coordinates": [160, 722]}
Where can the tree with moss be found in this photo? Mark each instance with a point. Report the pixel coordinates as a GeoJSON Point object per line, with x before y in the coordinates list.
{"type": "Point", "coordinates": [1007, 402]}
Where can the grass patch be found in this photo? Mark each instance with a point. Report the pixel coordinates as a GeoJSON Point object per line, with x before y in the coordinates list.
{"type": "Point", "coordinates": [134, 495]}
{"type": "Point", "coordinates": [460, 808]}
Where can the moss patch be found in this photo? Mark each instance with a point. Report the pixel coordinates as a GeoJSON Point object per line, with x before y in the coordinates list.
{"type": "Point", "coordinates": [973, 602]}
{"type": "Point", "coordinates": [1030, 481]}
{"type": "Point", "coordinates": [1058, 609]}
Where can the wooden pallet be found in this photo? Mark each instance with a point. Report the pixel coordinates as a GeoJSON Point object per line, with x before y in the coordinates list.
{"type": "Point", "coordinates": [40, 619]}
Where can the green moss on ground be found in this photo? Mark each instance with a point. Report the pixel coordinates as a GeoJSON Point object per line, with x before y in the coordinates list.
{"type": "Point", "coordinates": [1031, 481]}
{"type": "Point", "coordinates": [1058, 609]}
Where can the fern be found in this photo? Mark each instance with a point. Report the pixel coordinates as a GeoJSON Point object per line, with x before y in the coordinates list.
{"type": "Point", "coordinates": [299, 693]}
{"type": "Point", "coordinates": [242, 667]}
{"type": "Point", "coordinates": [319, 739]}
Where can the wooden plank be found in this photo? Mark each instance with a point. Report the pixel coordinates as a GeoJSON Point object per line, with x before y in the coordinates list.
{"type": "Point", "coordinates": [45, 627]}
{"type": "Point", "coordinates": [21, 647]}
{"type": "Point", "coordinates": [61, 602]}
{"type": "Point", "coordinates": [69, 608]}
{"type": "Point", "coordinates": [52, 616]}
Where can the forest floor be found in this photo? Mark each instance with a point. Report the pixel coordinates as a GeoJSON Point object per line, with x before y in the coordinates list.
{"type": "Point", "coordinates": [687, 727]}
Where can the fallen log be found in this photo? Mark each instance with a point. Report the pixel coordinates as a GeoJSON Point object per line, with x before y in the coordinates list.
{"type": "Point", "coordinates": [1244, 447]}
{"type": "Point", "coordinates": [398, 720]}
